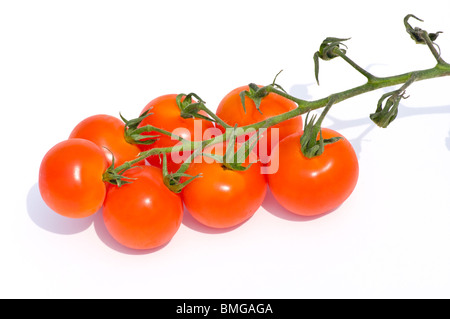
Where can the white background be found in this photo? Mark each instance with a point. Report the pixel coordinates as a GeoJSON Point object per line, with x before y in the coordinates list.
{"type": "Point", "coordinates": [62, 61]}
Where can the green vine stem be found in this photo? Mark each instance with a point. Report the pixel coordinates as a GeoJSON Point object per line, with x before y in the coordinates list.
{"type": "Point", "coordinates": [373, 83]}
{"type": "Point", "coordinates": [440, 70]}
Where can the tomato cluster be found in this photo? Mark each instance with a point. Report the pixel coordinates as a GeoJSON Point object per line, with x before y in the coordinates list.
{"type": "Point", "coordinates": [143, 212]}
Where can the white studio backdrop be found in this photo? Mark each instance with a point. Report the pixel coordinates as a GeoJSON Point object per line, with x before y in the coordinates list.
{"type": "Point", "coordinates": [62, 61]}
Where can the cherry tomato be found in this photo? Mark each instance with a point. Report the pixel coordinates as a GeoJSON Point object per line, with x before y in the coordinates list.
{"type": "Point", "coordinates": [223, 198]}
{"type": "Point", "coordinates": [144, 214]}
{"type": "Point", "coordinates": [166, 115]}
{"type": "Point", "coordinates": [313, 186]}
{"type": "Point", "coordinates": [231, 111]}
{"type": "Point", "coordinates": [107, 132]}
{"type": "Point", "coordinates": [70, 178]}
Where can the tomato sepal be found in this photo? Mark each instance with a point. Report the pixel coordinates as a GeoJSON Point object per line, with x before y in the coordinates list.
{"type": "Point", "coordinates": [417, 34]}
{"type": "Point", "coordinates": [258, 93]}
{"type": "Point", "coordinates": [255, 93]}
{"type": "Point", "coordinates": [133, 134]}
{"type": "Point", "coordinates": [233, 159]}
{"type": "Point", "coordinates": [173, 180]}
{"type": "Point", "coordinates": [115, 176]}
{"type": "Point", "coordinates": [310, 146]}
{"type": "Point", "coordinates": [385, 115]}
{"type": "Point", "coordinates": [327, 52]}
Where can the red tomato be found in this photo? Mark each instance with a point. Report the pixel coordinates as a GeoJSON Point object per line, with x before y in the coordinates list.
{"type": "Point", "coordinates": [313, 186]}
{"type": "Point", "coordinates": [107, 131]}
{"type": "Point", "coordinates": [231, 111]}
{"type": "Point", "coordinates": [144, 214]}
{"type": "Point", "coordinates": [166, 115]}
{"type": "Point", "coordinates": [221, 197]}
{"type": "Point", "coordinates": [70, 178]}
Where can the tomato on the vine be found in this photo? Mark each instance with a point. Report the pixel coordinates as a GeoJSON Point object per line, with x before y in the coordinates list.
{"type": "Point", "coordinates": [165, 114]}
{"type": "Point", "coordinates": [70, 178]}
{"type": "Point", "coordinates": [231, 111]}
{"type": "Point", "coordinates": [222, 197]}
{"type": "Point", "coordinates": [107, 132]}
{"type": "Point", "coordinates": [143, 214]}
{"type": "Point", "coordinates": [317, 185]}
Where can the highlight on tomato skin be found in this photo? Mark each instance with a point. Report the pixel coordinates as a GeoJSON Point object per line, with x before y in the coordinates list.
{"type": "Point", "coordinates": [107, 132]}
{"type": "Point", "coordinates": [313, 186]}
{"type": "Point", "coordinates": [144, 214]}
{"type": "Point", "coordinates": [70, 178]}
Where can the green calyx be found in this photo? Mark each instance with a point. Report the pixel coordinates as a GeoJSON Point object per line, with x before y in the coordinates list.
{"type": "Point", "coordinates": [423, 37]}
{"type": "Point", "coordinates": [234, 160]}
{"type": "Point", "coordinates": [115, 176]}
{"type": "Point", "coordinates": [310, 145]}
{"type": "Point", "coordinates": [255, 93]}
{"type": "Point", "coordinates": [133, 134]}
{"type": "Point", "coordinates": [385, 114]}
{"type": "Point", "coordinates": [329, 49]}
{"type": "Point", "coordinates": [234, 157]}
{"type": "Point", "coordinates": [417, 34]}
{"type": "Point", "coordinates": [173, 181]}
{"type": "Point", "coordinates": [191, 109]}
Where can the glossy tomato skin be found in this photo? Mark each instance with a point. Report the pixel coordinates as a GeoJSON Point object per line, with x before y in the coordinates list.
{"type": "Point", "coordinates": [144, 214]}
{"type": "Point", "coordinates": [231, 111]}
{"type": "Point", "coordinates": [166, 115]}
{"type": "Point", "coordinates": [70, 178]}
{"type": "Point", "coordinates": [107, 132]}
{"type": "Point", "coordinates": [315, 186]}
{"type": "Point", "coordinates": [223, 198]}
